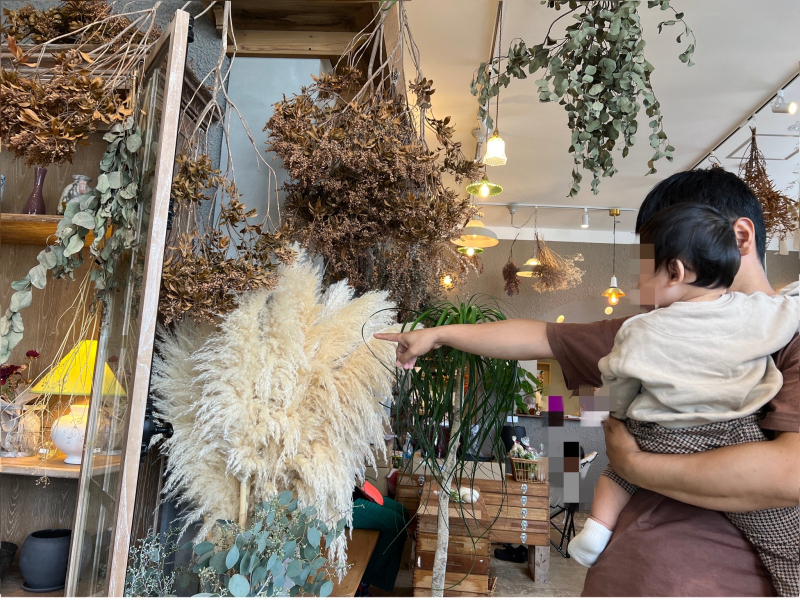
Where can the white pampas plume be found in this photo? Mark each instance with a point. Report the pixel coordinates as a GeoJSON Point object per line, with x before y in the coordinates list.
{"type": "Point", "coordinates": [285, 394]}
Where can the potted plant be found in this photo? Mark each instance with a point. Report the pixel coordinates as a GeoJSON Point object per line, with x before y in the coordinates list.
{"type": "Point", "coordinates": [460, 389]}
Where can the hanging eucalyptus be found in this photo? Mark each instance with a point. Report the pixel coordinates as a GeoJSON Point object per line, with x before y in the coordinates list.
{"type": "Point", "coordinates": [598, 73]}
{"type": "Point", "coordinates": [111, 206]}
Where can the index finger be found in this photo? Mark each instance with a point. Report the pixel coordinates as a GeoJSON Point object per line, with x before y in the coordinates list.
{"type": "Point", "coordinates": [389, 337]}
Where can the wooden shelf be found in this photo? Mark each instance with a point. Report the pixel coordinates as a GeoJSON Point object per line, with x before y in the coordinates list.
{"type": "Point", "coordinates": [54, 467]}
{"type": "Point", "coordinates": [30, 230]}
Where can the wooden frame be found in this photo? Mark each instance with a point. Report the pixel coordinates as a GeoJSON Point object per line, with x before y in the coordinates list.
{"type": "Point", "coordinates": [173, 45]}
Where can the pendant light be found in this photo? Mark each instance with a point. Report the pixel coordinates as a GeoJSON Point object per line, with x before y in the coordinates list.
{"type": "Point", "coordinates": [496, 148]}
{"type": "Point", "coordinates": [585, 219]}
{"type": "Point", "coordinates": [530, 266]}
{"type": "Point", "coordinates": [614, 293]}
{"type": "Point", "coordinates": [474, 238]}
{"type": "Point", "coordinates": [484, 188]}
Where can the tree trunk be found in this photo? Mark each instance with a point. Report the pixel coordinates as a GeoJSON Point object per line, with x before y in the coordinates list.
{"type": "Point", "coordinates": [443, 518]}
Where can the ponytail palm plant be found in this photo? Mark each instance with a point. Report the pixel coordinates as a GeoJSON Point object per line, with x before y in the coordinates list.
{"type": "Point", "coordinates": [463, 390]}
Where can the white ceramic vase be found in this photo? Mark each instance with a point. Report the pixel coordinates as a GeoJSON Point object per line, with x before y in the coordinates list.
{"type": "Point", "coordinates": [68, 432]}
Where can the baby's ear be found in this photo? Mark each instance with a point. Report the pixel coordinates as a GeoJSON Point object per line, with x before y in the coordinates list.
{"type": "Point", "coordinates": [676, 271]}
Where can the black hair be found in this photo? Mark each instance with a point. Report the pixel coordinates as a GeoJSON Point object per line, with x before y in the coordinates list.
{"type": "Point", "coordinates": [700, 236]}
{"type": "Point", "coordinates": [714, 187]}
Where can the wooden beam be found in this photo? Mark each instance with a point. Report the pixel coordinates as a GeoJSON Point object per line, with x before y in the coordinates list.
{"type": "Point", "coordinates": [291, 44]}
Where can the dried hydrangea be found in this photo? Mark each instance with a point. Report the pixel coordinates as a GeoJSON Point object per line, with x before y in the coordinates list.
{"type": "Point", "coordinates": [366, 191]}
{"type": "Point", "coordinates": [511, 279]}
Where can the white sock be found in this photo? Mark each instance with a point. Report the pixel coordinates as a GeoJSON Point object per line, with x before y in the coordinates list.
{"type": "Point", "coordinates": [589, 543]}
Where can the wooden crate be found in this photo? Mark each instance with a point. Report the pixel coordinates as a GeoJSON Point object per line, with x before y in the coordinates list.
{"type": "Point", "coordinates": [471, 585]}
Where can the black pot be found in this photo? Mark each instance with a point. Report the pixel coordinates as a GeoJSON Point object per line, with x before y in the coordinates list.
{"type": "Point", "coordinates": [509, 431]}
{"type": "Point", "coordinates": [43, 559]}
{"type": "Point", "coordinates": [7, 552]}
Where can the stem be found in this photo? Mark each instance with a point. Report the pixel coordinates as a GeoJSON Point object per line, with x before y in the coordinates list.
{"type": "Point", "coordinates": [443, 518]}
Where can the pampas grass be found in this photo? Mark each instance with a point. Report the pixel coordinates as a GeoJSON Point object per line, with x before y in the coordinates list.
{"type": "Point", "coordinates": [285, 394]}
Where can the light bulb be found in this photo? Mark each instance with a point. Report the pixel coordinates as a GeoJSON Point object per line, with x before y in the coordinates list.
{"type": "Point", "coordinates": [792, 108]}
{"type": "Point", "coordinates": [447, 280]}
{"type": "Point", "coordinates": [470, 251]}
{"type": "Point", "coordinates": [613, 299]}
{"type": "Point", "coordinates": [484, 192]}
{"type": "Point", "coordinates": [609, 310]}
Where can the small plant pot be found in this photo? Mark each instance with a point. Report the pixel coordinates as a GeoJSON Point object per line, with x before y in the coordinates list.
{"type": "Point", "coordinates": [43, 560]}
{"type": "Point", "coordinates": [7, 552]}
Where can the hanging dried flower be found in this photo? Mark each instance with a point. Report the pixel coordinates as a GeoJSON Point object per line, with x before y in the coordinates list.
{"type": "Point", "coordinates": [366, 190]}
{"type": "Point", "coordinates": [511, 279]}
{"type": "Point", "coordinates": [780, 211]}
{"type": "Point", "coordinates": [555, 272]}
{"type": "Point", "coordinates": [200, 277]}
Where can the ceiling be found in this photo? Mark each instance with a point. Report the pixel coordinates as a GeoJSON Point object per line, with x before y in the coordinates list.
{"type": "Point", "coordinates": [745, 52]}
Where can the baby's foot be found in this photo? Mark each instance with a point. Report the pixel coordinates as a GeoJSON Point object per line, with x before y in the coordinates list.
{"type": "Point", "coordinates": [589, 543]}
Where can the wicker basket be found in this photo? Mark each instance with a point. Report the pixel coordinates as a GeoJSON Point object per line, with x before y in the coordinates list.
{"type": "Point", "coordinates": [524, 469]}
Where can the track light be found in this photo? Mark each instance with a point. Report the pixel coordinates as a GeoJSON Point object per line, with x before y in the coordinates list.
{"type": "Point", "coordinates": [585, 219]}
{"type": "Point", "coordinates": [781, 106]}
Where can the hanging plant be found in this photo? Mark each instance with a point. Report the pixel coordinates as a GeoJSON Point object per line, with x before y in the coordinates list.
{"type": "Point", "coordinates": [780, 211]}
{"type": "Point", "coordinates": [366, 190]}
{"type": "Point", "coordinates": [598, 73]}
{"type": "Point", "coordinates": [510, 277]}
{"type": "Point", "coordinates": [201, 278]}
{"type": "Point", "coordinates": [555, 272]}
{"type": "Point", "coordinates": [45, 112]}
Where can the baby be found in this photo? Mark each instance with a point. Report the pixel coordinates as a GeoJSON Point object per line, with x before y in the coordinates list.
{"type": "Point", "coordinates": [693, 374]}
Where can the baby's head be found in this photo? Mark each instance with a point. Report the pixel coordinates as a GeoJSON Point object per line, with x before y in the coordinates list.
{"type": "Point", "coordinates": [687, 251]}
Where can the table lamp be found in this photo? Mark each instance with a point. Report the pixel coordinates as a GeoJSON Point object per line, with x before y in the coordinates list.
{"type": "Point", "coordinates": [72, 376]}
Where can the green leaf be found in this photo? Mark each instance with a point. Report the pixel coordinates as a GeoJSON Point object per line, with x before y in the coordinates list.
{"type": "Point", "coordinates": [47, 258]}
{"type": "Point", "coordinates": [259, 575]}
{"type": "Point", "coordinates": [102, 185]}
{"type": "Point", "coordinates": [114, 180]}
{"type": "Point", "coordinates": [232, 557]}
{"type": "Point", "coordinates": [74, 245]}
{"type": "Point", "coordinates": [246, 563]}
{"type": "Point", "coordinates": [239, 586]}
{"type": "Point", "coordinates": [20, 300]}
{"type": "Point", "coordinates": [326, 589]}
{"type": "Point", "coordinates": [217, 562]}
{"type": "Point", "coordinates": [294, 569]}
{"type": "Point", "coordinates": [285, 498]}
{"type": "Point", "coordinates": [84, 219]}
{"type": "Point", "coordinates": [21, 284]}
{"type": "Point", "coordinates": [38, 276]}
{"type": "Point", "coordinates": [289, 548]}
{"type": "Point", "coordinates": [134, 142]}
{"type": "Point", "coordinates": [313, 537]}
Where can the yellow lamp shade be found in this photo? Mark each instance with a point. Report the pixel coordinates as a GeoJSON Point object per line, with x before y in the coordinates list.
{"type": "Point", "coordinates": [476, 235]}
{"type": "Point", "coordinates": [73, 375]}
{"type": "Point", "coordinates": [495, 151]}
{"type": "Point", "coordinates": [613, 293]}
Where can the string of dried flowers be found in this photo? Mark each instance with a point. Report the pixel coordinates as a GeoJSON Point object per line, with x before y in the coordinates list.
{"type": "Point", "coordinates": [780, 211]}
{"type": "Point", "coordinates": [366, 191]}
{"type": "Point", "coordinates": [201, 277]}
{"type": "Point", "coordinates": [54, 98]}
{"type": "Point", "coordinates": [555, 272]}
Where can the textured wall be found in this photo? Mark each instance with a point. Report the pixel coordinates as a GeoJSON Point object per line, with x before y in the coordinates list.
{"type": "Point", "coordinates": [782, 270]}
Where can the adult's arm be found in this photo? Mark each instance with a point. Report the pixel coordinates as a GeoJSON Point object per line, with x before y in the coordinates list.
{"type": "Point", "coordinates": [745, 477]}
{"type": "Point", "coordinates": [513, 339]}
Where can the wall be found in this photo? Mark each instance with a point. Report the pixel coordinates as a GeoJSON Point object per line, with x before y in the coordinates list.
{"type": "Point", "coordinates": [782, 270]}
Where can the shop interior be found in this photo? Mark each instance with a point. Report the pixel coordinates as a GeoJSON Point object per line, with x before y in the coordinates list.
{"type": "Point", "coordinates": [209, 208]}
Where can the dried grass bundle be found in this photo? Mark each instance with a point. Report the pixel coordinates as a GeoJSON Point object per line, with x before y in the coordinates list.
{"type": "Point", "coordinates": [299, 410]}
{"type": "Point", "coordinates": [780, 211]}
{"type": "Point", "coordinates": [555, 272]}
{"type": "Point", "coordinates": [511, 279]}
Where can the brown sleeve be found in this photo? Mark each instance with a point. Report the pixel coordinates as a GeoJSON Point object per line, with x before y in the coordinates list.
{"type": "Point", "coordinates": [578, 347]}
{"type": "Point", "coordinates": [783, 411]}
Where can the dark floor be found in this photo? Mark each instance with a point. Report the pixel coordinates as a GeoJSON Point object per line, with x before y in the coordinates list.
{"type": "Point", "coordinates": [566, 576]}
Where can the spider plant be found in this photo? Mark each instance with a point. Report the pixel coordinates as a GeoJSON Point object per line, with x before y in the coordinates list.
{"type": "Point", "coordinates": [462, 390]}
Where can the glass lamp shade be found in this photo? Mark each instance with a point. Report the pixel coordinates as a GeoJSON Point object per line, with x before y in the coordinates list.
{"type": "Point", "coordinates": [529, 267]}
{"type": "Point", "coordinates": [484, 188]}
{"type": "Point", "coordinates": [613, 293]}
{"type": "Point", "coordinates": [475, 235]}
{"type": "Point", "coordinates": [469, 251]}
{"type": "Point", "coordinates": [495, 151]}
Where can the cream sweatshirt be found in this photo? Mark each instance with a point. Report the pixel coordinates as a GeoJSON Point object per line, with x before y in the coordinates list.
{"type": "Point", "coordinates": [694, 363]}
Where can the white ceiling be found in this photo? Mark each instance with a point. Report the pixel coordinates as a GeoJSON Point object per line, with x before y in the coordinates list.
{"type": "Point", "coordinates": [745, 51]}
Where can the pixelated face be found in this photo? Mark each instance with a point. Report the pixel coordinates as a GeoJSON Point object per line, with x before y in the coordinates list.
{"type": "Point", "coordinates": [653, 286]}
